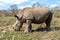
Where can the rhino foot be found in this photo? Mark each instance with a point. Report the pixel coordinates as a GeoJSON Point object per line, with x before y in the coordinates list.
{"type": "Point", "coordinates": [48, 29]}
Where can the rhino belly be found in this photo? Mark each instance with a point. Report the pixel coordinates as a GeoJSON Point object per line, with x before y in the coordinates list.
{"type": "Point", "coordinates": [40, 19]}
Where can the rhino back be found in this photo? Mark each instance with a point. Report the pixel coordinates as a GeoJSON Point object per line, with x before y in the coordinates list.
{"type": "Point", "coordinates": [30, 13]}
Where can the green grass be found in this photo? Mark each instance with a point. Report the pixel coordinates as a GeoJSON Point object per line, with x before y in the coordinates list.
{"type": "Point", "coordinates": [6, 34]}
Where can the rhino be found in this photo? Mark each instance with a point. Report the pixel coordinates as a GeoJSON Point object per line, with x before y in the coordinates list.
{"type": "Point", "coordinates": [30, 15]}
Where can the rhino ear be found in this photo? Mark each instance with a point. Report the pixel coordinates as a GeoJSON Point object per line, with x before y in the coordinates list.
{"type": "Point", "coordinates": [16, 16]}
{"type": "Point", "coordinates": [19, 17]}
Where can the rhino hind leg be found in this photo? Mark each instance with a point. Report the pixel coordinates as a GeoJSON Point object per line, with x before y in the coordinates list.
{"type": "Point", "coordinates": [48, 22]}
{"type": "Point", "coordinates": [48, 26]}
{"type": "Point", "coordinates": [28, 27]}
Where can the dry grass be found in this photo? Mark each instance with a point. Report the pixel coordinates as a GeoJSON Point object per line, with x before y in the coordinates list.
{"type": "Point", "coordinates": [5, 34]}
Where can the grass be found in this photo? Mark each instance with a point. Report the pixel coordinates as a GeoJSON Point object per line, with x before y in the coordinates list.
{"type": "Point", "coordinates": [6, 34]}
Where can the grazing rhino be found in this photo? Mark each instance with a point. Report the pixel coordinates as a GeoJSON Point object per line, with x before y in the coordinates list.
{"type": "Point", "coordinates": [30, 15]}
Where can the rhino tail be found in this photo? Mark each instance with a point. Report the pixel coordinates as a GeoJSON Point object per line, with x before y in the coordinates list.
{"type": "Point", "coordinates": [49, 17]}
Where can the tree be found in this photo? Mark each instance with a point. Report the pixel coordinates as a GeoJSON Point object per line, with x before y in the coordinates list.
{"type": "Point", "coordinates": [35, 5]}
{"type": "Point", "coordinates": [14, 9]}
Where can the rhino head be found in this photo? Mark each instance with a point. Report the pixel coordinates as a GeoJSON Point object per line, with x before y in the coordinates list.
{"type": "Point", "coordinates": [18, 24]}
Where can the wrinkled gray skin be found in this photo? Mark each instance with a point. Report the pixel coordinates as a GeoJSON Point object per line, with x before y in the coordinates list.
{"type": "Point", "coordinates": [36, 15]}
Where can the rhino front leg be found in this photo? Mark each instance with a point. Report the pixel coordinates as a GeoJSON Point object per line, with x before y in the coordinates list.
{"type": "Point", "coordinates": [28, 27]}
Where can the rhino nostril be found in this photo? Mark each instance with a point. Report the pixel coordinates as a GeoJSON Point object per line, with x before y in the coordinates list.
{"type": "Point", "coordinates": [16, 29]}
